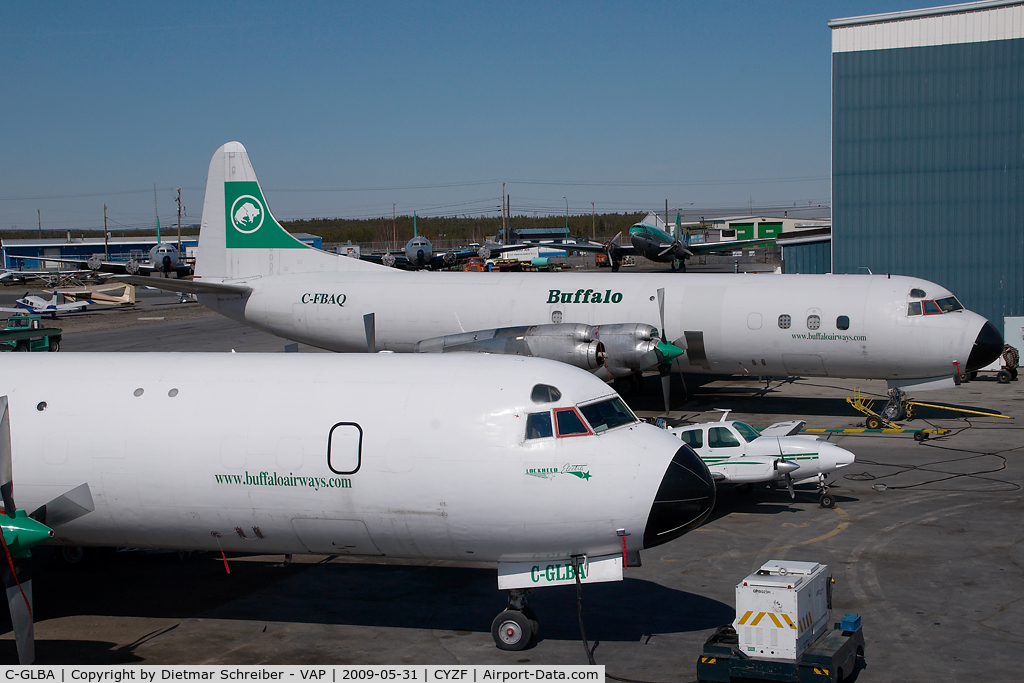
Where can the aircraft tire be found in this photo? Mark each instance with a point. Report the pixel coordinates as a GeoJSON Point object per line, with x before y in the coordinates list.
{"type": "Point", "coordinates": [827, 501]}
{"type": "Point", "coordinates": [1004, 377]}
{"type": "Point", "coordinates": [1013, 373]}
{"type": "Point", "coordinates": [974, 374]}
{"type": "Point", "coordinates": [511, 630]}
{"type": "Point", "coordinates": [532, 616]}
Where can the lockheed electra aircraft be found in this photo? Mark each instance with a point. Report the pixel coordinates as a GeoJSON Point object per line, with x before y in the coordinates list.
{"type": "Point", "coordinates": [859, 326]}
{"type": "Point", "coordinates": [543, 469]}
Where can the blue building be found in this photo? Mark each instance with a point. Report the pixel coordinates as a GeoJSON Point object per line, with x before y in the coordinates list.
{"type": "Point", "coordinates": [928, 149]}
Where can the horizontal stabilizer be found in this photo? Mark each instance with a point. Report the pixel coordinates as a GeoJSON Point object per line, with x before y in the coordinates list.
{"type": "Point", "coordinates": [788, 428]}
{"type": "Point", "coordinates": [189, 286]}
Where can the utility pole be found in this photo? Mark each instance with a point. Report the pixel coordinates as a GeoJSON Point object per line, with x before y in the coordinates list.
{"type": "Point", "coordinates": [39, 215]}
{"type": "Point", "coordinates": [593, 221]}
{"type": "Point", "coordinates": [668, 229]}
{"type": "Point", "coordinates": [504, 225]}
{"type": "Point", "coordinates": [106, 235]}
{"type": "Point", "coordinates": [394, 235]}
{"type": "Point", "coordinates": [179, 221]}
{"type": "Point", "coordinates": [157, 212]}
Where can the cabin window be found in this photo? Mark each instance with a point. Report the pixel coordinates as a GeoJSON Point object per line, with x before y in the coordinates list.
{"type": "Point", "coordinates": [538, 425]}
{"type": "Point", "coordinates": [607, 414]}
{"type": "Point", "coordinates": [843, 322]}
{"type": "Point", "coordinates": [785, 321]}
{"type": "Point", "coordinates": [917, 293]}
{"type": "Point", "coordinates": [914, 308]}
{"type": "Point", "coordinates": [693, 438]}
{"type": "Point", "coordinates": [545, 393]}
{"type": "Point", "coordinates": [721, 437]}
{"type": "Point", "coordinates": [813, 322]}
{"type": "Point", "coordinates": [345, 448]}
{"type": "Point", "coordinates": [949, 304]}
{"type": "Point", "coordinates": [569, 423]}
{"type": "Point", "coordinates": [746, 431]}
{"type": "Point", "coordinates": [931, 308]}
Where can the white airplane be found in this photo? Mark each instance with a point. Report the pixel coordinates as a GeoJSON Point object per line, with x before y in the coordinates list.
{"type": "Point", "coordinates": [541, 469]}
{"type": "Point", "coordinates": [736, 453]}
{"type": "Point", "coordinates": [856, 326]}
{"type": "Point", "coordinates": [98, 294]}
{"type": "Point", "coordinates": [39, 306]}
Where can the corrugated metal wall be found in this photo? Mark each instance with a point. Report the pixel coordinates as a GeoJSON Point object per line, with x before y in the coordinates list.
{"type": "Point", "coordinates": [813, 258]}
{"type": "Point", "coordinates": [928, 168]}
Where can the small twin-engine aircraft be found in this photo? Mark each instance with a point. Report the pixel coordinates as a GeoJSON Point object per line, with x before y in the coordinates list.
{"type": "Point", "coordinates": [736, 453]}
{"type": "Point", "coordinates": [37, 305]}
{"type": "Point", "coordinates": [542, 469]}
{"type": "Point", "coordinates": [855, 326]}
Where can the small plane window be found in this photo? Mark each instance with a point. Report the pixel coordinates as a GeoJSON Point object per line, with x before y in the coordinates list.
{"type": "Point", "coordinates": [914, 308]}
{"type": "Point", "coordinates": [746, 431]}
{"type": "Point", "coordinates": [545, 393]}
{"type": "Point", "coordinates": [345, 448]}
{"type": "Point", "coordinates": [693, 438]}
{"type": "Point", "coordinates": [949, 304]}
{"type": "Point", "coordinates": [538, 425]}
{"type": "Point", "coordinates": [813, 322]}
{"type": "Point", "coordinates": [931, 308]}
{"type": "Point", "coordinates": [607, 414]}
{"type": "Point", "coordinates": [917, 293]}
{"type": "Point", "coordinates": [569, 423]}
{"type": "Point", "coordinates": [721, 437]}
{"type": "Point", "coordinates": [785, 321]}
{"type": "Point", "coordinates": [843, 322]}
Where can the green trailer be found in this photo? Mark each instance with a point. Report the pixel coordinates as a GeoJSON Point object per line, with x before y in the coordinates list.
{"type": "Point", "coordinates": [26, 333]}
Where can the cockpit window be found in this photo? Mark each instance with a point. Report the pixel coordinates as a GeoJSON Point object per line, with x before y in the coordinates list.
{"type": "Point", "coordinates": [694, 438]}
{"type": "Point", "coordinates": [949, 304]}
{"type": "Point", "coordinates": [914, 308]}
{"type": "Point", "coordinates": [545, 393]}
{"type": "Point", "coordinates": [721, 437]}
{"type": "Point", "coordinates": [931, 308]}
{"type": "Point", "coordinates": [569, 423]}
{"type": "Point", "coordinates": [917, 293]}
{"type": "Point", "coordinates": [746, 431]}
{"type": "Point", "coordinates": [607, 414]}
{"type": "Point", "coordinates": [538, 425]}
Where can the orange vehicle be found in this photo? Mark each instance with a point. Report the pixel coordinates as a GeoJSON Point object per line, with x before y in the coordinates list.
{"type": "Point", "coordinates": [474, 264]}
{"type": "Point", "coordinates": [601, 260]}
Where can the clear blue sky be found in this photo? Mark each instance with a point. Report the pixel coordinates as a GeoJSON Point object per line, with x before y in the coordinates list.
{"type": "Point", "coordinates": [708, 105]}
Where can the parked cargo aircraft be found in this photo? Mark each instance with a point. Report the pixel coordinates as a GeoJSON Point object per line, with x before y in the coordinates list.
{"type": "Point", "coordinates": [736, 453]}
{"type": "Point", "coordinates": [542, 469]}
{"type": "Point", "coordinates": [858, 326]}
{"type": "Point", "coordinates": [654, 244]}
{"type": "Point", "coordinates": [164, 260]}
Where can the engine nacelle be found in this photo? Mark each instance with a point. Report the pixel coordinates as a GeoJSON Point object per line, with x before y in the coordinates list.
{"type": "Point", "coordinates": [568, 343]}
{"type": "Point", "coordinates": [628, 347]}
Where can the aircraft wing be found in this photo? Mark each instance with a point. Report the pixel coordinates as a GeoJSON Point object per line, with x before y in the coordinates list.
{"type": "Point", "coordinates": [592, 247]}
{"type": "Point", "coordinates": [719, 247]}
{"type": "Point", "coordinates": [189, 286]}
{"type": "Point", "coordinates": [113, 267]}
{"type": "Point", "coordinates": [788, 428]}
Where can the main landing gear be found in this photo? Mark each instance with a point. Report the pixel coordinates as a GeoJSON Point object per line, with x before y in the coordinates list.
{"type": "Point", "coordinates": [825, 499]}
{"type": "Point", "coordinates": [517, 626]}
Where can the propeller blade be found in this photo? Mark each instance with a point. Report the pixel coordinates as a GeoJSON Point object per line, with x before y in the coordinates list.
{"type": "Point", "coordinates": [371, 333]}
{"type": "Point", "coordinates": [666, 387]}
{"type": "Point", "coordinates": [66, 507]}
{"type": "Point", "coordinates": [6, 467]}
{"type": "Point", "coordinates": [19, 600]}
{"type": "Point", "coordinates": [614, 239]}
{"type": "Point", "coordinates": [661, 312]}
{"type": "Point", "coordinates": [789, 485]}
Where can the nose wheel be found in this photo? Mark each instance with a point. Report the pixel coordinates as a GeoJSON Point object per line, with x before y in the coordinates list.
{"type": "Point", "coordinates": [825, 499]}
{"type": "Point", "coordinates": [516, 626]}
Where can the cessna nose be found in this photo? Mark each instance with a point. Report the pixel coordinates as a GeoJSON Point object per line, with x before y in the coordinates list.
{"type": "Point", "coordinates": [684, 499]}
{"type": "Point", "coordinates": [987, 347]}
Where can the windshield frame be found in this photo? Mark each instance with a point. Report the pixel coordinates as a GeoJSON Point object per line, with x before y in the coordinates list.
{"type": "Point", "coordinates": [583, 406]}
{"type": "Point", "coordinates": [742, 429]}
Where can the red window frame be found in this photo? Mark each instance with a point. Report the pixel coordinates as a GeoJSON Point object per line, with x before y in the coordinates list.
{"type": "Point", "coordinates": [924, 307]}
{"type": "Point", "coordinates": [559, 434]}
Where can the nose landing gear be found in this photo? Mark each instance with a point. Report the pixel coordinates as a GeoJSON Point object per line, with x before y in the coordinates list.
{"type": "Point", "coordinates": [826, 499]}
{"type": "Point", "coordinates": [516, 626]}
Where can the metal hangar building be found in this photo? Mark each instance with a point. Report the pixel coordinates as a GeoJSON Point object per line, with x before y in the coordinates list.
{"type": "Point", "coordinates": [928, 149]}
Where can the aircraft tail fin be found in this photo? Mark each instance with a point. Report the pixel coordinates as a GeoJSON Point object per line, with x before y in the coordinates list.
{"type": "Point", "coordinates": [240, 238]}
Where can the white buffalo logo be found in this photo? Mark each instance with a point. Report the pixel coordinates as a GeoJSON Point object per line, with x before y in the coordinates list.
{"type": "Point", "coordinates": [247, 214]}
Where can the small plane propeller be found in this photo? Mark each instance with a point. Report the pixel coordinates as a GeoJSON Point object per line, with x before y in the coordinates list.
{"type": "Point", "coordinates": [787, 468]}
{"type": "Point", "coordinates": [21, 532]}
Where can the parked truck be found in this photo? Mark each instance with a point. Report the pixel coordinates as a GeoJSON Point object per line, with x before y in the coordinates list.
{"type": "Point", "coordinates": [26, 333]}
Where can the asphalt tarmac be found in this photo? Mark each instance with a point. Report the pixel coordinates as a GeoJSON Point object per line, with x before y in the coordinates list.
{"type": "Point", "coordinates": [934, 564]}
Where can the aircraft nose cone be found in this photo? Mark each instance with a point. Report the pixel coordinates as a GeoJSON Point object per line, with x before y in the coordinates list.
{"type": "Point", "coordinates": [987, 347]}
{"type": "Point", "coordinates": [167, 262]}
{"type": "Point", "coordinates": [685, 498]}
{"type": "Point", "coordinates": [840, 456]}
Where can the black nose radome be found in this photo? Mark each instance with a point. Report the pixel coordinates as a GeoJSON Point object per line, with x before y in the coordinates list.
{"type": "Point", "coordinates": [684, 500]}
{"type": "Point", "coordinates": [987, 347]}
